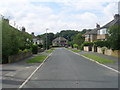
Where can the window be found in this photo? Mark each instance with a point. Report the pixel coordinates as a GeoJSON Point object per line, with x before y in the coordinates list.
{"type": "Point", "coordinates": [102, 31]}
{"type": "Point", "coordinates": [86, 36]}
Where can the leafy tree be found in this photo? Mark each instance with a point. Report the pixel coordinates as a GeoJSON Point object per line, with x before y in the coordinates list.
{"type": "Point", "coordinates": [114, 37]}
{"type": "Point", "coordinates": [12, 40]}
{"type": "Point", "coordinates": [78, 39]}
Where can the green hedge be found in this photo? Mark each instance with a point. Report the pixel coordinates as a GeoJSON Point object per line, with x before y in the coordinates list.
{"type": "Point", "coordinates": [12, 40]}
{"type": "Point", "coordinates": [102, 43]}
{"type": "Point", "coordinates": [34, 49]}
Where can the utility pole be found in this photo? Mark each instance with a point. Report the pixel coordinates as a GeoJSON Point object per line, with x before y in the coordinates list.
{"type": "Point", "coordinates": [46, 38]}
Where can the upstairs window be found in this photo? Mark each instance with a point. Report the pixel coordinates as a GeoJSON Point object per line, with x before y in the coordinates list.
{"type": "Point", "coordinates": [102, 31]}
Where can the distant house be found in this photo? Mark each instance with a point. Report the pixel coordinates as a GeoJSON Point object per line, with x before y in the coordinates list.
{"type": "Point", "coordinates": [60, 41]}
{"type": "Point", "coordinates": [91, 35]}
{"type": "Point", "coordinates": [102, 33]}
{"type": "Point", "coordinates": [36, 40]}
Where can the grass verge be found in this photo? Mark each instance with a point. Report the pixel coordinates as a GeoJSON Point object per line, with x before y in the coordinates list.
{"type": "Point", "coordinates": [49, 51]}
{"type": "Point", "coordinates": [76, 50]}
{"type": "Point", "coordinates": [99, 59]}
{"type": "Point", "coordinates": [37, 59]}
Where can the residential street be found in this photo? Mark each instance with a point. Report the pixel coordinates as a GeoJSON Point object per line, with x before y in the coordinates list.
{"type": "Point", "coordinates": [64, 69]}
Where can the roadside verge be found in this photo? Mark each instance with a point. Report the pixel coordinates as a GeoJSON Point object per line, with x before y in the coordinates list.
{"type": "Point", "coordinates": [95, 61]}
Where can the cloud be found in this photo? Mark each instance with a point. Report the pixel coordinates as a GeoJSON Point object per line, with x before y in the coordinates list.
{"type": "Point", "coordinates": [77, 14]}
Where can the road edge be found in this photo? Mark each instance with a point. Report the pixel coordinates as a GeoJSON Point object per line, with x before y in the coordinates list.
{"type": "Point", "coordinates": [34, 72]}
{"type": "Point", "coordinates": [95, 62]}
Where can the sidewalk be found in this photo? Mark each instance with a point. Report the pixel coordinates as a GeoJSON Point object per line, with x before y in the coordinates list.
{"type": "Point", "coordinates": [112, 65]}
{"type": "Point", "coordinates": [13, 74]}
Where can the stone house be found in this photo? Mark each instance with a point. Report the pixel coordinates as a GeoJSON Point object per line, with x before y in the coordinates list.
{"type": "Point", "coordinates": [59, 41]}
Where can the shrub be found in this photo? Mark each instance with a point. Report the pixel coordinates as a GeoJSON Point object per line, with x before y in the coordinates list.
{"type": "Point", "coordinates": [34, 49]}
{"type": "Point", "coordinates": [102, 44]}
{"type": "Point", "coordinates": [40, 45]}
{"type": "Point", "coordinates": [88, 44]}
{"type": "Point", "coordinates": [75, 45]}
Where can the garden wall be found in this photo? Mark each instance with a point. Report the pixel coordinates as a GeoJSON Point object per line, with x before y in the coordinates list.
{"type": "Point", "coordinates": [86, 48]}
{"type": "Point", "coordinates": [19, 57]}
{"type": "Point", "coordinates": [110, 52]}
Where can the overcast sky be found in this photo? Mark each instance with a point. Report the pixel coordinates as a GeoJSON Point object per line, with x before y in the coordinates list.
{"type": "Point", "coordinates": [57, 15]}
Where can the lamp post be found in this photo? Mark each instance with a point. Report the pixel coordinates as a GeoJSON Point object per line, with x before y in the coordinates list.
{"type": "Point", "coordinates": [46, 38]}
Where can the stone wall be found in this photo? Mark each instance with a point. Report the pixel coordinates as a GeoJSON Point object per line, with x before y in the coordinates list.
{"type": "Point", "coordinates": [99, 50]}
{"type": "Point", "coordinates": [86, 48]}
{"type": "Point", "coordinates": [110, 52]}
{"type": "Point", "coordinates": [19, 57]}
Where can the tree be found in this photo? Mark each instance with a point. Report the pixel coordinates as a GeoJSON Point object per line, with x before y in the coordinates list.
{"type": "Point", "coordinates": [114, 37]}
{"type": "Point", "coordinates": [78, 39]}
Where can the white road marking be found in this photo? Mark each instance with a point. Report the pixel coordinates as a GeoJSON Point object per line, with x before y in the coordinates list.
{"type": "Point", "coordinates": [96, 62]}
{"type": "Point", "coordinates": [34, 72]}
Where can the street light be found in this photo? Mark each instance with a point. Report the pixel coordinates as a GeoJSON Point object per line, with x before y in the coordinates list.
{"type": "Point", "coordinates": [46, 38]}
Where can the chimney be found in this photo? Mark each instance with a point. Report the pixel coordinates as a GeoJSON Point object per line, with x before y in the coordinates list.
{"type": "Point", "coordinates": [32, 34]}
{"type": "Point", "coordinates": [97, 26]}
{"type": "Point", "coordinates": [116, 16]}
{"type": "Point", "coordinates": [23, 29]}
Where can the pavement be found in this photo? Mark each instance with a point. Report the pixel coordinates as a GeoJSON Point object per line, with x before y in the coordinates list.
{"type": "Point", "coordinates": [14, 74]}
{"type": "Point", "coordinates": [64, 69]}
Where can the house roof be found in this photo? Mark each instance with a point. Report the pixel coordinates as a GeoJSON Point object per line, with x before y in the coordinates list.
{"type": "Point", "coordinates": [60, 39]}
{"type": "Point", "coordinates": [94, 31]}
{"type": "Point", "coordinates": [115, 21]}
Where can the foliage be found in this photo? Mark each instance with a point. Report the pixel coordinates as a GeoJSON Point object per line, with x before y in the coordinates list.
{"type": "Point", "coordinates": [67, 34]}
{"type": "Point", "coordinates": [114, 37]}
{"type": "Point", "coordinates": [34, 49]}
{"type": "Point", "coordinates": [50, 37]}
{"type": "Point", "coordinates": [104, 43]}
{"type": "Point", "coordinates": [12, 40]}
{"type": "Point", "coordinates": [87, 44]}
{"type": "Point", "coordinates": [40, 45]}
{"type": "Point", "coordinates": [75, 45]}
{"type": "Point", "coordinates": [78, 39]}
{"type": "Point", "coordinates": [98, 59]}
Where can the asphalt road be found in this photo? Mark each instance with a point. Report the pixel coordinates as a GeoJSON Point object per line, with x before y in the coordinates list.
{"type": "Point", "coordinates": [65, 69]}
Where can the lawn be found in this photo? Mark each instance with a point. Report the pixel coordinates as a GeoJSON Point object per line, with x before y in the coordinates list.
{"type": "Point", "coordinates": [76, 50]}
{"type": "Point", "coordinates": [49, 51]}
{"type": "Point", "coordinates": [99, 59]}
{"type": "Point", "coordinates": [37, 59]}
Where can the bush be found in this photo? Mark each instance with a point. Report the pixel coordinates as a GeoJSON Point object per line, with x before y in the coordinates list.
{"type": "Point", "coordinates": [40, 45]}
{"type": "Point", "coordinates": [34, 49]}
{"type": "Point", "coordinates": [75, 45]}
{"type": "Point", "coordinates": [87, 44]}
{"type": "Point", "coordinates": [102, 44]}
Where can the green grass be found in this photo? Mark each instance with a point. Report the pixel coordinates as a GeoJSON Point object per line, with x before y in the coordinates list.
{"type": "Point", "coordinates": [37, 59]}
{"type": "Point", "coordinates": [76, 50]}
{"type": "Point", "coordinates": [49, 51]}
{"type": "Point", "coordinates": [99, 59]}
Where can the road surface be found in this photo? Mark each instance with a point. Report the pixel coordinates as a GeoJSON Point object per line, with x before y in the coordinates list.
{"type": "Point", "coordinates": [64, 69]}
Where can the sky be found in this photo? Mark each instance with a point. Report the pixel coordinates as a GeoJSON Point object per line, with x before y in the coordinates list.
{"type": "Point", "coordinates": [56, 15]}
